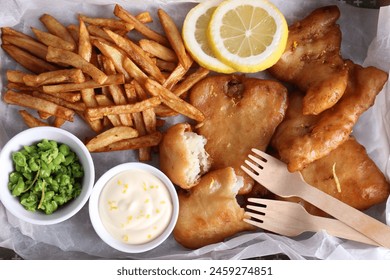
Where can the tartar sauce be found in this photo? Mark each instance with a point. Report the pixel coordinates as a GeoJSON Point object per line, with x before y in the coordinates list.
{"type": "Point", "coordinates": [135, 206]}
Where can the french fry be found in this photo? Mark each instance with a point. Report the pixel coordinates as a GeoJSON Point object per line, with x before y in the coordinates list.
{"type": "Point", "coordinates": [103, 100]}
{"type": "Point", "coordinates": [190, 80]}
{"type": "Point", "coordinates": [116, 56]}
{"type": "Point", "coordinates": [174, 38]}
{"type": "Point", "coordinates": [62, 56]}
{"type": "Point", "coordinates": [138, 81]}
{"type": "Point", "coordinates": [134, 71]}
{"type": "Point", "coordinates": [139, 26]}
{"type": "Point", "coordinates": [73, 29]}
{"type": "Point", "coordinates": [137, 55]}
{"type": "Point", "coordinates": [144, 17]}
{"type": "Point", "coordinates": [164, 111]}
{"type": "Point", "coordinates": [56, 28]}
{"type": "Point", "coordinates": [175, 76]}
{"type": "Point", "coordinates": [165, 66]}
{"type": "Point", "coordinates": [148, 115]}
{"type": "Point", "coordinates": [28, 44]}
{"type": "Point", "coordinates": [85, 46]}
{"type": "Point", "coordinates": [145, 141]}
{"type": "Point", "coordinates": [54, 77]}
{"type": "Point", "coordinates": [173, 101]}
{"type": "Point", "coordinates": [116, 91]}
{"type": "Point", "coordinates": [88, 94]}
{"type": "Point", "coordinates": [30, 120]}
{"type": "Point", "coordinates": [27, 60]}
{"type": "Point", "coordinates": [101, 111]}
{"type": "Point", "coordinates": [67, 96]}
{"type": "Point", "coordinates": [21, 87]}
{"type": "Point", "coordinates": [107, 22]}
{"type": "Point", "coordinates": [112, 79]}
{"type": "Point", "coordinates": [52, 40]}
{"type": "Point", "coordinates": [29, 101]}
{"type": "Point", "coordinates": [110, 136]}
{"type": "Point", "coordinates": [15, 76]}
{"type": "Point", "coordinates": [43, 115]}
{"type": "Point", "coordinates": [75, 106]}
{"type": "Point", "coordinates": [144, 153]}
{"type": "Point", "coordinates": [158, 50]}
{"type": "Point", "coordinates": [99, 32]}
{"type": "Point", "coordinates": [88, 97]}
{"type": "Point", "coordinates": [58, 122]}
{"type": "Point", "coordinates": [13, 32]}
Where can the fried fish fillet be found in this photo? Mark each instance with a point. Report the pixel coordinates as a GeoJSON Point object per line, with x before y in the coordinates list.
{"type": "Point", "coordinates": [182, 155]}
{"type": "Point", "coordinates": [209, 212]}
{"type": "Point", "coordinates": [312, 60]}
{"type": "Point", "coordinates": [240, 113]}
{"type": "Point", "coordinates": [349, 175]}
{"type": "Point", "coordinates": [301, 140]}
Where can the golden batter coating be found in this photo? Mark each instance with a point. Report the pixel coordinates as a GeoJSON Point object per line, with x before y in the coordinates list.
{"type": "Point", "coordinates": [323, 133]}
{"type": "Point", "coordinates": [182, 155]}
{"type": "Point", "coordinates": [240, 114]}
{"type": "Point", "coordinates": [312, 60]}
{"type": "Point", "coordinates": [349, 174]}
{"type": "Point", "coordinates": [209, 212]}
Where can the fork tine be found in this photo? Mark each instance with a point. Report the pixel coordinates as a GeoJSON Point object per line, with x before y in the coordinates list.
{"type": "Point", "coordinates": [253, 165]}
{"type": "Point", "coordinates": [254, 215]}
{"type": "Point", "coordinates": [263, 156]}
{"type": "Point", "coordinates": [260, 201]}
{"type": "Point", "coordinates": [256, 208]}
{"type": "Point", "coordinates": [259, 161]}
{"type": "Point", "coordinates": [252, 222]}
{"type": "Point", "coordinates": [255, 170]}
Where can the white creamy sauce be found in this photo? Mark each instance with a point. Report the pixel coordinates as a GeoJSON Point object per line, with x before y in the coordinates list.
{"type": "Point", "coordinates": [135, 207]}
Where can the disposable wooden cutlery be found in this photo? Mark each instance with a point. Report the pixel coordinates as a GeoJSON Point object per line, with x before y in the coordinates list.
{"type": "Point", "coordinates": [291, 219]}
{"type": "Point", "coordinates": [273, 175]}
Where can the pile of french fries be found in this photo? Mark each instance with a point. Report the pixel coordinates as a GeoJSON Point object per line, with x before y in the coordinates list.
{"type": "Point", "coordinates": [123, 88]}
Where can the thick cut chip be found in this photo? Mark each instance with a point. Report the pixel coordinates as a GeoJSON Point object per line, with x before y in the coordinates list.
{"type": "Point", "coordinates": [62, 56]}
{"type": "Point", "coordinates": [110, 136]}
{"type": "Point", "coordinates": [140, 142]}
{"type": "Point", "coordinates": [28, 44]}
{"type": "Point", "coordinates": [29, 101]}
{"type": "Point", "coordinates": [56, 28]}
{"type": "Point", "coordinates": [27, 60]}
{"type": "Point", "coordinates": [240, 114]}
{"type": "Point", "coordinates": [54, 77]}
{"type": "Point", "coordinates": [312, 60]}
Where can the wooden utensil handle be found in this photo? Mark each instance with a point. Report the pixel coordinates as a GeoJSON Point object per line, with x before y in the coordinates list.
{"type": "Point", "coordinates": [339, 229]}
{"type": "Point", "coordinates": [356, 219]}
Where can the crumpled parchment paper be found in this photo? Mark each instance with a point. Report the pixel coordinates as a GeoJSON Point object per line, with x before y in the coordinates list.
{"type": "Point", "coordinates": [362, 42]}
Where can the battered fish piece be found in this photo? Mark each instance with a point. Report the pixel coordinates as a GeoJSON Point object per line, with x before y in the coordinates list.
{"type": "Point", "coordinates": [182, 155]}
{"type": "Point", "coordinates": [240, 114]}
{"type": "Point", "coordinates": [312, 60]}
{"type": "Point", "coordinates": [301, 140]}
{"type": "Point", "coordinates": [349, 175]}
{"type": "Point", "coordinates": [209, 213]}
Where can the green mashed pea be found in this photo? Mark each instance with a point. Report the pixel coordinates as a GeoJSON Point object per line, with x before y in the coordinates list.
{"type": "Point", "coordinates": [47, 175]}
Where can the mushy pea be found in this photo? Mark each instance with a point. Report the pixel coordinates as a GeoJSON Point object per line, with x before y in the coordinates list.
{"type": "Point", "coordinates": [47, 175]}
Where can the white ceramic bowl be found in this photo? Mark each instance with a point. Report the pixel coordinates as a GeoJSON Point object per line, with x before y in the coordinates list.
{"type": "Point", "coordinates": [32, 136]}
{"type": "Point", "coordinates": [101, 229]}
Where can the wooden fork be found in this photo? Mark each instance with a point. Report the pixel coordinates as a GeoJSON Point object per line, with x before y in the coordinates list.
{"type": "Point", "coordinates": [273, 175]}
{"type": "Point", "coordinates": [291, 219]}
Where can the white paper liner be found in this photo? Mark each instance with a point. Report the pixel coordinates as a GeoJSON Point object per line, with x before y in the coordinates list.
{"type": "Point", "coordinates": [76, 239]}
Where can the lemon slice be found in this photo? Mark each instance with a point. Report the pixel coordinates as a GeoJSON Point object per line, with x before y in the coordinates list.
{"type": "Point", "coordinates": [248, 35]}
{"type": "Point", "coordinates": [194, 35]}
